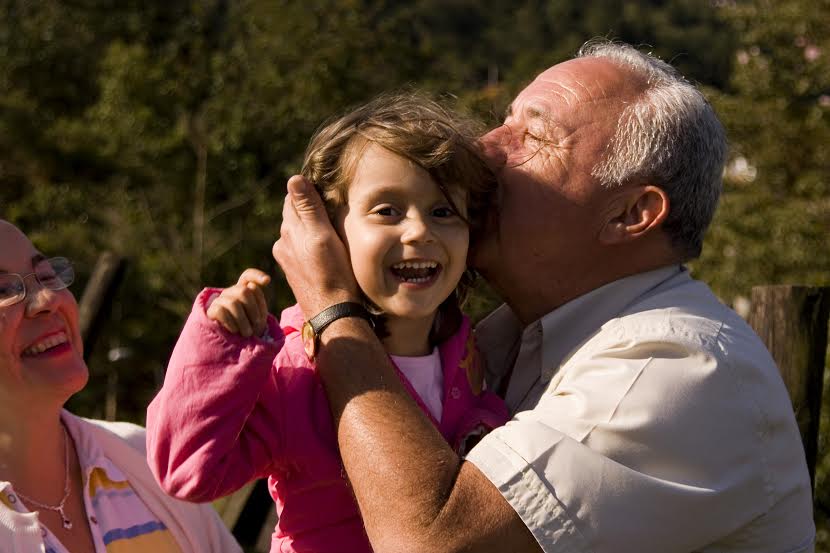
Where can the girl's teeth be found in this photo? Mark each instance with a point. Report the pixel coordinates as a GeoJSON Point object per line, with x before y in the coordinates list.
{"type": "Point", "coordinates": [48, 343]}
{"type": "Point", "coordinates": [415, 265]}
{"type": "Point", "coordinates": [417, 272]}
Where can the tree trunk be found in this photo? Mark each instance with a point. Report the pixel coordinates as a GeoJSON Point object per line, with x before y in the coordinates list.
{"type": "Point", "coordinates": [97, 297]}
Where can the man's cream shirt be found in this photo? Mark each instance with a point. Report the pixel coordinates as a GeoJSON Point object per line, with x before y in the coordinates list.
{"type": "Point", "coordinates": [648, 418]}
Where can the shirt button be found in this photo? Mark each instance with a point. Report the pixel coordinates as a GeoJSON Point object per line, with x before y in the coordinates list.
{"type": "Point", "coordinates": [93, 520]}
{"type": "Point", "coordinates": [12, 499]}
{"type": "Point", "coordinates": [455, 393]}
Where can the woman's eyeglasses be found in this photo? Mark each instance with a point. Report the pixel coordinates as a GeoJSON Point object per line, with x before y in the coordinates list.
{"type": "Point", "coordinates": [55, 273]}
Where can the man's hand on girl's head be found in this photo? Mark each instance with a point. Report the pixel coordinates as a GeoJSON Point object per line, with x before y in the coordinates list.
{"type": "Point", "coordinates": [310, 253]}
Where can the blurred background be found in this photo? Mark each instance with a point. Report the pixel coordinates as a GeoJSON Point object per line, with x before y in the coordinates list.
{"type": "Point", "coordinates": [164, 131]}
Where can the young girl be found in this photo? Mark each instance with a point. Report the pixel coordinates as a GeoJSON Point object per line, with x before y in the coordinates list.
{"type": "Point", "coordinates": [404, 184]}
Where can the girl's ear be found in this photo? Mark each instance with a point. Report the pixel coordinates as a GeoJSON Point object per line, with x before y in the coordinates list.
{"type": "Point", "coordinates": [641, 210]}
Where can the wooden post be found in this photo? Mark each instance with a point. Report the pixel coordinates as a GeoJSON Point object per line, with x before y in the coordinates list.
{"type": "Point", "coordinates": [792, 322]}
{"type": "Point", "coordinates": [98, 294]}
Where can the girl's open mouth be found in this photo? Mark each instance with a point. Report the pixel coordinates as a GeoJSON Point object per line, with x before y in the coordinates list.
{"type": "Point", "coordinates": [416, 272]}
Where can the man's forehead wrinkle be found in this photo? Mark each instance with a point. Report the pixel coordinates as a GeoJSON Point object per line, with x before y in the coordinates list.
{"type": "Point", "coordinates": [584, 87]}
{"type": "Point", "coordinates": [589, 91]}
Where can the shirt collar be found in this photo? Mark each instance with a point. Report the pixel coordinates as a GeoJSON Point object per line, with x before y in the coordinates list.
{"type": "Point", "coordinates": [564, 329]}
{"type": "Point", "coordinates": [90, 454]}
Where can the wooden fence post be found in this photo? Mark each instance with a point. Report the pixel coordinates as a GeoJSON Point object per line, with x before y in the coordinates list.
{"type": "Point", "coordinates": [792, 322]}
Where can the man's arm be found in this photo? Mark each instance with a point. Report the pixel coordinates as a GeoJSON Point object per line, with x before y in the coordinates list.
{"type": "Point", "coordinates": [414, 492]}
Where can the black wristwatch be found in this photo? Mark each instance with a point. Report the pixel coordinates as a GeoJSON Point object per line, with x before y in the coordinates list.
{"type": "Point", "coordinates": [314, 327]}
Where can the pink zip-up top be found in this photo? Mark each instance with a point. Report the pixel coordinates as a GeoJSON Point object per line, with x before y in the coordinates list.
{"type": "Point", "coordinates": [233, 409]}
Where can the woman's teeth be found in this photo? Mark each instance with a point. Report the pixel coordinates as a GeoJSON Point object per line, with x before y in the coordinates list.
{"type": "Point", "coordinates": [48, 343]}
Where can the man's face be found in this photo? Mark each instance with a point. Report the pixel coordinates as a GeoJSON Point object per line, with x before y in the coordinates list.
{"type": "Point", "coordinates": [550, 208]}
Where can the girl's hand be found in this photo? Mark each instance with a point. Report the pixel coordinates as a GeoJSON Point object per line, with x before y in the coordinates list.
{"type": "Point", "coordinates": [242, 309]}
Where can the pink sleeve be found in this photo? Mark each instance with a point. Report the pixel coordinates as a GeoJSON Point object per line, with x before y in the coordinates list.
{"type": "Point", "coordinates": [215, 425]}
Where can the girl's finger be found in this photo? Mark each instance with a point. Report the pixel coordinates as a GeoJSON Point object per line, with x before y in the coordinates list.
{"type": "Point", "coordinates": [262, 308]}
{"type": "Point", "coordinates": [253, 275]}
{"type": "Point", "coordinates": [250, 305]}
{"type": "Point", "coordinates": [224, 318]}
{"type": "Point", "coordinates": [240, 317]}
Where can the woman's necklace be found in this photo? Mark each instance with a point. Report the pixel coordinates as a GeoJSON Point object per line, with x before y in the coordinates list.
{"type": "Point", "coordinates": [67, 524]}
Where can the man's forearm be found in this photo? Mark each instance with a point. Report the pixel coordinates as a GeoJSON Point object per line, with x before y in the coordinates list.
{"type": "Point", "coordinates": [401, 469]}
{"type": "Point", "coordinates": [414, 493]}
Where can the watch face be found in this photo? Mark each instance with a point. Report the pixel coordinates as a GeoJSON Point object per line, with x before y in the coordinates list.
{"type": "Point", "coordinates": [309, 340]}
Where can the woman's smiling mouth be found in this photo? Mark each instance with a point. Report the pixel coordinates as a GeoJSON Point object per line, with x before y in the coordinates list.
{"type": "Point", "coordinates": [46, 343]}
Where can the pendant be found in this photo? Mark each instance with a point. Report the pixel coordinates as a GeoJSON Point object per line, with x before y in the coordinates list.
{"type": "Point", "coordinates": [66, 523]}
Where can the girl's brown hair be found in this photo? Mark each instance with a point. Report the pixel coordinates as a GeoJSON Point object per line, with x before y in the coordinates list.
{"type": "Point", "coordinates": [420, 129]}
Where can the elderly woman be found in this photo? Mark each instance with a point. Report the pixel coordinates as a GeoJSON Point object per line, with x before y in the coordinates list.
{"type": "Point", "coordinates": [69, 484]}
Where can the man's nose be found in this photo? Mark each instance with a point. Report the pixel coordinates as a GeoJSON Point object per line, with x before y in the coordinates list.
{"type": "Point", "coordinates": [495, 146]}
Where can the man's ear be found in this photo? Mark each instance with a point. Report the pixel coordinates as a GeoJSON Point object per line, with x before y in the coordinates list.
{"type": "Point", "coordinates": [635, 213]}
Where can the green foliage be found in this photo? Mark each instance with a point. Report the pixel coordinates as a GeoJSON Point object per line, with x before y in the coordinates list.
{"type": "Point", "coordinates": [164, 131]}
{"type": "Point", "coordinates": [774, 219]}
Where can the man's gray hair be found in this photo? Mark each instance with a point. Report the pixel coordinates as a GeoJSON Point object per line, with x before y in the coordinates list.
{"type": "Point", "coordinates": [671, 137]}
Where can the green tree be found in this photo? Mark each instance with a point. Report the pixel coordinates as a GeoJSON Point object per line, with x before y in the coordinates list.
{"type": "Point", "coordinates": [164, 131]}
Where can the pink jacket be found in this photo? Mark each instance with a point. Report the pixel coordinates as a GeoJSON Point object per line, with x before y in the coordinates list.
{"type": "Point", "coordinates": [233, 409]}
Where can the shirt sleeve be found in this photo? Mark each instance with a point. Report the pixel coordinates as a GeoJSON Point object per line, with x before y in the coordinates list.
{"type": "Point", "coordinates": [648, 445]}
{"type": "Point", "coordinates": [215, 424]}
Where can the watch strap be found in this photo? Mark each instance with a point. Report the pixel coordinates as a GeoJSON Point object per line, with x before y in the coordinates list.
{"type": "Point", "coordinates": [337, 311]}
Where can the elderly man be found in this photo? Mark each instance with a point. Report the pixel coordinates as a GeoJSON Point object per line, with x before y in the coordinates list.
{"type": "Point", "coordinates": [648, 417]}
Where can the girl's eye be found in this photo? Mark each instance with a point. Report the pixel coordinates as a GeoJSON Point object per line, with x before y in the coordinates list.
{"type": "Point", "coordinates": [386, 211]}
{"type": "Point", "coordinates": [444, 211]}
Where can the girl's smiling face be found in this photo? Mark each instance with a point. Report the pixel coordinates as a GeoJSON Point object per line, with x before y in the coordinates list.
{"type": "Point", "coordinates": [407, 244]}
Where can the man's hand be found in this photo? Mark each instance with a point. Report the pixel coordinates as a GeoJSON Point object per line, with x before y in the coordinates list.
{"type": "Point", "coordinates": [242, 308]}
{"type": "Point", "coordinates": [312, 256]}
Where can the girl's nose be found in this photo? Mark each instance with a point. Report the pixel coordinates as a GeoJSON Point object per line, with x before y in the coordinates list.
{"type": "Point", "coordinates": [417, 229]}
